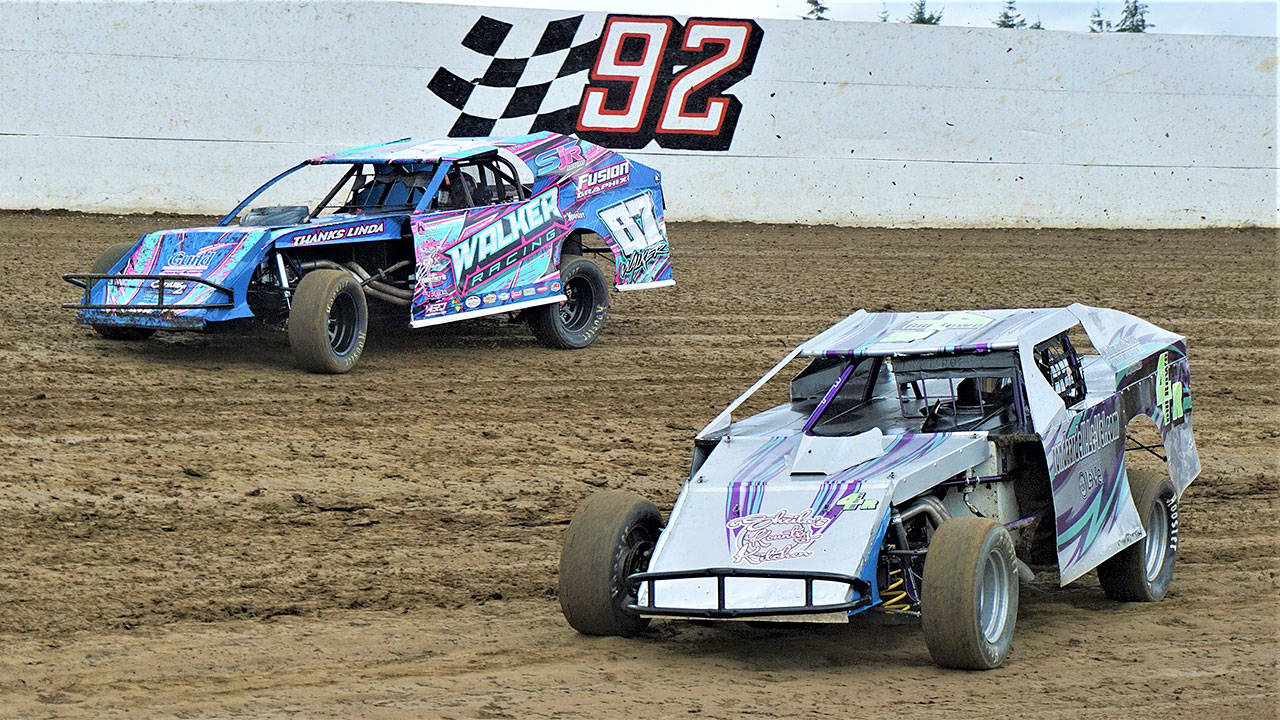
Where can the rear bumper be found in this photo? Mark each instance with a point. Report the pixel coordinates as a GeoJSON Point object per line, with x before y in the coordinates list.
{"type": "Point", "coordinates": [157, 315]}
{"type": "Point", "coordinates": [862, 595]}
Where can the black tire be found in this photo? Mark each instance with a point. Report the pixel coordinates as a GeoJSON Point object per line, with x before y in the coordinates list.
{"type": "Point", "coordinates": [578, 321]}
{"type": "Point", "coordinates": [1142, 571]}
{"type": "Point", "coordinates": [328, 321]}
{"type": "Point", "coordinates": [101, 266]}
{"type": "Point", "coordinates": [611, 537]}
{"type": "Point", "coordinates": [969, 601]}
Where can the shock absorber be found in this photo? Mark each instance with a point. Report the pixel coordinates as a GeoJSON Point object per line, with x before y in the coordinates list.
{"type": "Point", "coordinates": [896, 596]}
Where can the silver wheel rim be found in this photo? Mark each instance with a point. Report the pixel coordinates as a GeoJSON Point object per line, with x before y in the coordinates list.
{"type": "Point", "coordinates": [993, 596]}
{"type": "Point", "coordinates": [1157, 543]}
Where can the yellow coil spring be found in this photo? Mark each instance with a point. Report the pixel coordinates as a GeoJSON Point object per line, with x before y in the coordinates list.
{"type": "Point", "coordinates": [895, 598]}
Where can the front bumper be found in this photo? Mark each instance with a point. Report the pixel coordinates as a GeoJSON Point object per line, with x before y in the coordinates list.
{"type": "Point", "coordinates": [156, 315]}
{"type": "Point", "coordinates": [863, 596]}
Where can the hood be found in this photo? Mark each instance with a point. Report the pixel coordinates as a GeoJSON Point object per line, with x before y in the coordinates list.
{"type": "Point", "coordinates": [799, 502]}
{"type": "Point", "coordinates": [220, 255]}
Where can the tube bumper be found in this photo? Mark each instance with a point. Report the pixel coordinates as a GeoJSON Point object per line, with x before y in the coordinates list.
{"type": "Point", "coordinates": [157, 315]}
{"type": "Point", "coordinates": [859, 591]}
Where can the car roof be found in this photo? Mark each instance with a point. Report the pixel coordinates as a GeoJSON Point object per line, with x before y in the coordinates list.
{"type": "Point", "coordinates": [413, 150]}
{"type": "Point", "coordinates": [867, 334]}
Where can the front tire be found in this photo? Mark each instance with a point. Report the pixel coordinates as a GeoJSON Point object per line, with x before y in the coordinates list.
{"type": "Point", "coordinates": [102, 266]}
{"type": "Point", "coordinates": [970, 596]}
{"type": "Point", "coordinates": [578, 321]}
{"type": "Point", "coordinates": [611, 537]}
{"type": "Point", "coordinates": [328, 321]}
{"type": "Point", "coordinates": [1142, 572]}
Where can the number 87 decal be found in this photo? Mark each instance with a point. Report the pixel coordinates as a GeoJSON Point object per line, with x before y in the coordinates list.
{"type": "Point", "coordinates": [632, 223]}
{"type": "Point", "coordinates": [635, 96]}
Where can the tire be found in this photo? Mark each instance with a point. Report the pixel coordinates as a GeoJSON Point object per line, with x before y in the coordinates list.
{"type": "Point", "coordinates": [328, 321]}
{"type": "Point", "coordinates": [969, 601]}
{"type": "Point", "coordinates": [611, 537]}
{"type": "Point", "coordinates": [101, 266]}
{"type": "Point", "coordinates": [578, 321]}
{"type": "Point", "coordinates": [1142, 571]}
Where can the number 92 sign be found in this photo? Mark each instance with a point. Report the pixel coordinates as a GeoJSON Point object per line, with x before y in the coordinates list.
{"type": "Point", "coordinates": [655, 79]}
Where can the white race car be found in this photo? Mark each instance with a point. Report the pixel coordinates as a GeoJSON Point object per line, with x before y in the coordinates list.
{"type": "Point", "coordinates": [921, 460]}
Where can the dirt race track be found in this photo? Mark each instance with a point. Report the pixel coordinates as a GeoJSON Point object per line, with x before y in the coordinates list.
{"type": "Point", "coordinates": [193, 528]}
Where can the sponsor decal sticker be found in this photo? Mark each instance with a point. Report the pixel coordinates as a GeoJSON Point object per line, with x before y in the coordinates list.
{"type": "Point", "coordinates": [555, 286]}
{"type": "Point", "coordinates": [1084, 439]}
{"type": "Point", "coordinates": [350, 231]}
{"type": "Point", "coordinates": [563, 160]}
{"type": "Point", "coordinates": [490, 299]}
{"type": "Point", "coordinates": [472, 302]}
{"type": "Point", "coordinates": [504, 295]}
{"type": "Point", "coordinates": [511, 229]}
{"type": "Point", "coordinates": [182, 262]}
{"type": "Point", "coordinates": [772, 537]}
{"type": "Point", "coordinates": [598, 181]}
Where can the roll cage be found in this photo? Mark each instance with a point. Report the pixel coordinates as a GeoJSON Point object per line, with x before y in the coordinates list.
{"type": "Point", "coordinates": [402, 187]}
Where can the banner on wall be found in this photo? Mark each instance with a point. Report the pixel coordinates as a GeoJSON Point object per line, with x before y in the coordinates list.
{"type": "Point", "coordinates": [754, 120]}
{"type": "Point", "coordinates": [638, 79]}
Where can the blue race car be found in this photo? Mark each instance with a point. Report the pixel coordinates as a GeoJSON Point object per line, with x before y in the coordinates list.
{"type": "Point", "coordinates": [447, 229]}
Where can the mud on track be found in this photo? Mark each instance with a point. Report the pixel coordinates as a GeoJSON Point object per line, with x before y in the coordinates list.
{"type": "Point", "coordinates": [192, 527]}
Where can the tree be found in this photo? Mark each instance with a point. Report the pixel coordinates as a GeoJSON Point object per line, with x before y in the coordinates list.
{"type": "Point", "coordinates": [1133, 18]}
{"type": "Point", "coordinates": [1009, 17]}
{"type": "Point", "coordinates": [1096, 22]}
{"type": "Point", "coordinates": [817, 11]}
{"type": "Point", "coordinates": [884, 13]}
{"type": "Point", "coordinates": [920, 15]}
{"type": "Point", "coordinates": [1035, 25]}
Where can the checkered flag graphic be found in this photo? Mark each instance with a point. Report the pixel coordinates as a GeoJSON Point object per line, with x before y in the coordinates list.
{"type": "Point", "coordinates": [516, 72]}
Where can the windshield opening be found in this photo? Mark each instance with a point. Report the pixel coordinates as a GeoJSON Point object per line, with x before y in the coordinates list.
{"type": "Point", "coordinates": [332, 191]}
{"type": "Point", "coordinates": [910, 394]}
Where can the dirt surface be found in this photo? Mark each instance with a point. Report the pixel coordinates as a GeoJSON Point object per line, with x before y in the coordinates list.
{"type": "Point", "coordinates": [193, 528]}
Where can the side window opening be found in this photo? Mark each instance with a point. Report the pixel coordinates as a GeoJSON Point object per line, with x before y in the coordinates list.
{"type": "Point", "coordinates": [487, 181]}
{"type": "Point", "coordinates": [388, 189]}
{"type": "Point", "coordinates": [508, 184]}
{"type": "Point", "coordinates": [1060, 364]}
{"type": "Point", "coordinates": [456, 190]}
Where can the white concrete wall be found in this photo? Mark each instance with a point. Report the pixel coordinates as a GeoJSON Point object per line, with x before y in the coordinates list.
{"type": "Point", "coordinates": [189, 106]}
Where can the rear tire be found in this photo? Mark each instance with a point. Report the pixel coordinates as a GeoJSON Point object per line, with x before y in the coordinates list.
{"type": "Point", "coordinates": [970, 595]}
{"type": "Point", "coordinates": [611, 537]}
{"type": "Point", "coordinates": [1142, 572]}
{"type": "Point", "coordinates": [101, 266]}
{"type": "Point", "coordinates": [578, 321]}
{"type": "Point", "coordinates": [328, 321]}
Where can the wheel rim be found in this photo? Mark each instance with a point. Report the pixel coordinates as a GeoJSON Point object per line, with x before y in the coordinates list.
{"type": "Point", "coordinates": [639, 544]}
{"type": "Point", "coordinates": [993, 596]}
{"type": "Point", "coordinates": [342, 324]}
{"type": "Point", "coordinates": [1157, 542]}
{"type": "Point", "coordinates": [575, 311]}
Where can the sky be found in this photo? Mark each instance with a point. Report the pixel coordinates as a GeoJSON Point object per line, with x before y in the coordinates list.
{"type": "Point", "coordinates": [1194, 17]}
